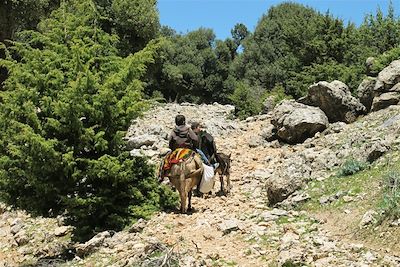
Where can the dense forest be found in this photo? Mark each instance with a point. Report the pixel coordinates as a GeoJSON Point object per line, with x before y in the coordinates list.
{"type": "Point", "coordinates": [75, 73]}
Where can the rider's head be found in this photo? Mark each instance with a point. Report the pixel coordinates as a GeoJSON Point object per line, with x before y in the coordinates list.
{"type": "Point", "coordinates": [196, 127]}
{"type": "Point", "coordinates": [180, 120]}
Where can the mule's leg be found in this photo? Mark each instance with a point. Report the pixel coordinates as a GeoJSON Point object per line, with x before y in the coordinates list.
{"type": "Point", "coordinates": [190, 200]}
{"type": "Point", "coordinates": [183, 197]}
{"type": "Point", "coordinates": [182, 192]}
{"type": "Point", "coordinates": [221, 180]}
{"type": "Point", "coordinates": [228, 181]}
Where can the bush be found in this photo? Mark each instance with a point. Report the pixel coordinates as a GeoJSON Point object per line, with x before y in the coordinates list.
{"type": "Point", "coordinates": [329, 71]}
{"type": "Point", "coordinates": [248, 100]}
{"type": "Point", "coordinates": [390, 202]}
{"type": "Point", "coordinates": [65, 107]}
{"type": "Point", "coordinates": [351, 166]}
{"type": "Point", "coordinates": [385, 59]}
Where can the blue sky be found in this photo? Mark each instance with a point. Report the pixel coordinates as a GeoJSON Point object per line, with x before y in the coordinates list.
{"type": "Point", "coordinates": [222, 15]}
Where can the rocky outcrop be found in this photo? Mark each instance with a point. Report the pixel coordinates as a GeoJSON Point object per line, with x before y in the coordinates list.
{"type": "Point", "coordinates": [365, 92]}
{"type": "Point", "coordinates": [295, 122]}
{"type": "Point", "coordinates": [385, 100]}
{"type": "Point", "coordinates": [388, 77]}
{"type": "Point", "coordinates": [335, 100]}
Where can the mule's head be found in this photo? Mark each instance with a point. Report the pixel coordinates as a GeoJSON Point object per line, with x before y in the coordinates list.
{"type": "Point", "coordinates": [224, 161]}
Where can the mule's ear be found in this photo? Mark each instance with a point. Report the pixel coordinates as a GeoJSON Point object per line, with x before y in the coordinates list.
{"type": "Point", "coordinates": [230, 155]}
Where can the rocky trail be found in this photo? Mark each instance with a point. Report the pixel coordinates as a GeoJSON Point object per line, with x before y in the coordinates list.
{"type": "Point", "coordinates": [240, 229]}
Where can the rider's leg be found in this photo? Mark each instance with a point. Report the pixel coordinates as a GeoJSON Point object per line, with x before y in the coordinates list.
{"type": "Point", "coordinates": [203, 156]}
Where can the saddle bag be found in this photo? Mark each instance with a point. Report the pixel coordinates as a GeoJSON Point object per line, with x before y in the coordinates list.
{"type": "Point", "coordinates": [207, 181]}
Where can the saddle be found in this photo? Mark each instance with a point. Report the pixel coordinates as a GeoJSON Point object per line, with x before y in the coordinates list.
{"type": "Point", "coordinates": [177, 156]}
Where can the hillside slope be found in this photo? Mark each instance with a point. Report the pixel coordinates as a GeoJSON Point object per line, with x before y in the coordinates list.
{"type": "Point", "coordinates": [241, 229]}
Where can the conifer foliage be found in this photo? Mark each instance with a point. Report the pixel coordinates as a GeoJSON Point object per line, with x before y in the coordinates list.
{"type": "Point", "coordinates": [64, 108]}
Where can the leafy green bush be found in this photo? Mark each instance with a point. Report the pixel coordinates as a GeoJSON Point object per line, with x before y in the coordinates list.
{"type": "Point", "coordinates": [390, 202]}
{"type": "Point", "coordinates": [329, 71]}
{"type": "Point", "coordinates": [65, 107]}
{"type": "Point", "coordinates": [248, 100]}
{"type": "Point", "coordinates": [351, 166]}
{"type": "Point", "coordinates": [385, 59]}
{"type": "Point", "coordinates": [278, 94]}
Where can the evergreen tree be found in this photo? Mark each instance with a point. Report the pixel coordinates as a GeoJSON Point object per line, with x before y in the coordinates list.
{"type": "Point", "coordinates": [65, 107]}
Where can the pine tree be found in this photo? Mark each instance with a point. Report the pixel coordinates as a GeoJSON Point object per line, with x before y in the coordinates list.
{"type": "Point", "coordinates": [65, 107]}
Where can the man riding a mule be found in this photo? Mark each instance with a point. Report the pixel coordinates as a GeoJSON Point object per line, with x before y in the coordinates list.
{"type": "Point", "coordinates": [183, 166]}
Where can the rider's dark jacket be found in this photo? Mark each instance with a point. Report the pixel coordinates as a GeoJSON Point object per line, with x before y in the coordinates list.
{"type": "Point", "coordinates": [183, 137]}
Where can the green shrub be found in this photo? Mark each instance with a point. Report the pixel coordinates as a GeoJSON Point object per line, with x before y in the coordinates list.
{"type": "Point", "coordinates": [385, 59]}
{"type": "Point", "coordinates": [390, 202]}
{"type": "Point", "coordinates": [350, 167]}
{"type": "Point", "coordinates": [248, 100]}
{"type": "Point", "coordinates": [66, 105]}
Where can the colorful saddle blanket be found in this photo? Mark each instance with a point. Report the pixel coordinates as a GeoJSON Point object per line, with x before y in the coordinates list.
{"type": "Point", "coordinates": [178, 155]}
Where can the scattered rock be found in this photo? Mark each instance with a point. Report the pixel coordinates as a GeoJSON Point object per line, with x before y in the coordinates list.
{"type": "Point", "coordinates": [228, 226]}
{"type": "Point", "coordinates": [16, 228]}
{"type": "Point", "coordinates": [21, 238]}
{"type": "Point", "coordinates": [369, 63]}
{"type": "Point", "coordinates": [92, 245]}
{"type": "Point", "coordinates": [255, 142]}
{"type": "Point", "coordinates": [62, 230]}
{"type": "Point", "coordinates": [369, 257]}
{"type": "Point", "coordinates": [388, 77]}
{"type": "Point", "coordinates": [348, 199]}
{"type": "Point", "coordinates": [376, 151]}
{"type": "Point", "coordinates": [139, 141]}
{"type": "Point", "coordinates": [385, 100]}
{"type": "Point", "coordinates": [325, 200]}
{"type": "Point", "coordinates": [269, 133]}
{"type": "Point", "coordinates": [368, 218]}
{"type": "Point", "coordinates": [138, 226]}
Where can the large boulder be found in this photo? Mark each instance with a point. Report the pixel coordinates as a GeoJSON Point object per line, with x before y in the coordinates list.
{"type": "Point", "coordinates": [335, 100]}
{"type": "Point", "coordinates": [388, 77]}
{"type": "Point", "coordinates": [365, 92]}
{"type": "Point", "coordinates": [385, 100]}
{"type": "Point", "coordinates": [296, 122]}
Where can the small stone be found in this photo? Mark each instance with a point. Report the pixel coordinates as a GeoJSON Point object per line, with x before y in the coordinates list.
{"type": "Point", "coordinates": [62, 230]}
{"type": "Point", "coordinates": [21, 238]}
{"type": "Point", "coordinates": [138, 226]}
{"type": "Point", "coordinates": [369, 257]}
{"type": "Point", "coordinates": [348, 199]}
{"type": "Point", "coordinates": [324, 200]}
{"type": "Point", "coordinates": [16, 228]}
{"type": "Point", "coordinates": [368, 218]}
{"type": "Point", "coordinates": [395, 223]}
{"type": "Point", "coordinates": [228, 226]}
{"type": "Point", "coordinates": [268, 216]}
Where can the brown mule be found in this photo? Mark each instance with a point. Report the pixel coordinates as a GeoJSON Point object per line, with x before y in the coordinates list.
{"type": "Point", "coordinates": [184, 176]}
{"type": "Point", "coordinates": [223, 169]}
